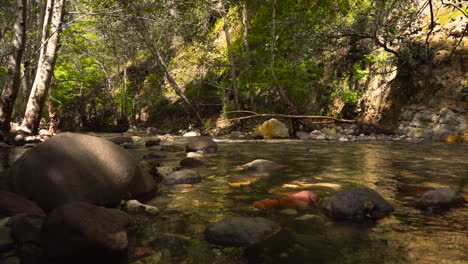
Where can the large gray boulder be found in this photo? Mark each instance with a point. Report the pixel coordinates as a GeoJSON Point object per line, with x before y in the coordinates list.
{"type": "Point", "coordinates": [357, 205]}
{"type": "Point", "coordinates": [74, 167]}
{"type": "Point", "coordinates": [206, 144]}
{"type": "Point", "coordinates": [239, 231]}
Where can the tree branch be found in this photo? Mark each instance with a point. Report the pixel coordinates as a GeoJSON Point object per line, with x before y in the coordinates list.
{"type": "Point", "coordinates": [254, 114]}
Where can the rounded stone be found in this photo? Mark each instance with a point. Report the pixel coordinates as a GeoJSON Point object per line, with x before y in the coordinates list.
{"type": "Point", "coordinates": [206, 144]}
{"type": "Point", "coordinates": [240, 231]}
{"type": "Point", "coordinates": [357, 205]}
{"type": "Point", "coordinates": [74, 167]}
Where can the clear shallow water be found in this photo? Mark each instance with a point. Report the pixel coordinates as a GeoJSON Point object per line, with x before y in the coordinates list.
{"type": "Point", "coordinates": [401, 172]}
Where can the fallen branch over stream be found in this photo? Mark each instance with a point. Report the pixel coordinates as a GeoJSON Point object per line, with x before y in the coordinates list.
{"type": "Point", "coordinates": [254, 114]}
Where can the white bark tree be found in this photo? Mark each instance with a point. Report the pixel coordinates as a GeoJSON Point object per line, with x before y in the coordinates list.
{"type": "Point", "coordinates": [13, 80]}
{"type": "Point", "coordinates": [46, 64]}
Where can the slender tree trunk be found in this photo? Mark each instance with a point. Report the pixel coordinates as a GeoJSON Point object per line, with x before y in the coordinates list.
{"type": "Point", "coordinates": [282, 93]}
{"type": "Point", "coordinates": [45, 68]}
{"type": "Point", "coordinates": [245, 33]}
{"type": "Point", "coordinates": [174, 84]}
{"type": "Point", "coordinates": [232, 63]}
{"type": "Point", "coordinates": [13, 80]}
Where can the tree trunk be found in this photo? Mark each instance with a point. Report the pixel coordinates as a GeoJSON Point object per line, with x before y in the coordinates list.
{"type": "Point", "coordinates": [13, 80]}
{"type": "Point", "coordinates": [45, 68]}
{"type": "Point", "coordinates": [282, 93]}
{"type": "Point", "coordinates": [245, 33]}
{"type": "Point", "coordinates": [174, 84]}
{"type": "Point", "coordinates": [232, 63]}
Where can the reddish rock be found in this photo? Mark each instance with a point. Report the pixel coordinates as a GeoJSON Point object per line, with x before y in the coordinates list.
{"type": "Point", "coordinates": [12, 204]}
{"type": "Point", "coordinates": [304, 199]}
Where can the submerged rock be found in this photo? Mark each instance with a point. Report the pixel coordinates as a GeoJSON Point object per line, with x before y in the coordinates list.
{"type": "Point", "coordinates": [74, 167]}
{"type": "Point", "coordinates": [84, 231]}
{"type": "Point", "coordinates": [152, 142]}
{"type": "Point", "coordinates": [261, 166]}
{"type": "Point", "coordinates": [271, 129]}
{"type": "Point", "coordinates": [191, 163]}
{"type": "Point", "coordinates": [440, 199]}
{"type": "Point", "coordinates": [357, 205]}
{"type": "Point", "coordinates": [240, 231]}
{"type": "Point", "coordinates": [154, 155]}
{"type": "Point", "coordinates": [12, 204]}
{"type": "Point", "coordinates": [120, 140]}
{"type": "Point", "coordinates": [206, 144]}
{"type": "Point", "coordinates": [183, 176]}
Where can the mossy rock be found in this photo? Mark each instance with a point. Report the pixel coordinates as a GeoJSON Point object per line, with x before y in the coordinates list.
{"type": "Point", "coordinates": [271, 129]}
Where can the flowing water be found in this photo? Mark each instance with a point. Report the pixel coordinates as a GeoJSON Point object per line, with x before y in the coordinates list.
{"type": "Point", "coordinates": [401, 172]}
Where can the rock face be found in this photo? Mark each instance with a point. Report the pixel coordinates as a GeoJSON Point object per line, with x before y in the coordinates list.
{"type": "Point", "coordinates": [261, 166]}
{"type": "Point", "coordinates": [357, 205]}
{"type": "Point", "coordinates": [240, 231]}
{"type": "Point", "coordinates": [74, 167]}
{"type": "Point", "coordinates": [12, 204]}
{"type": "Point", "coordinates": [271, 129]}
{"type": "Point", "coordinates": [183, 176]}
{"type": "Point", "coordinates": [206, 144]}
{"type": "Point", "coordinates": [440, 199]}
{"type": "Point", "coordinates": [81, 230]}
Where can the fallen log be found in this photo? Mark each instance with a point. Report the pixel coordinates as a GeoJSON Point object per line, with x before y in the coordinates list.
{"type": "Point", "coordinates": [254, 114]}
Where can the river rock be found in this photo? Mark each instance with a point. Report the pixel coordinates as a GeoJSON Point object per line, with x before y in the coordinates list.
{"type": "Point", "coordinates": [74, 167]}
{"type": "Point", "coordinates": [162, 172]}
{"type": "Point", "coordinates": [135, 207]}
{"type": "Point", "coordinates": [27, 228]}
{"type": "Point", "coordinates": [329, 131]}
{"type": "Point", "coordinates": [271, 129]}
{"type": "Point", "coordinates": [191, 163]}
{"type": "Point", "coordinates": [154, 155]}
{"type": "Point", "coordinates": [240, 231]}
{"type": "Point", "coordinates": [183, 176]}
{"type": "Point", "coordinates": [121, 139]}
{"type": "Point", "coordinates": [154, 131]}
{"type": "Point", "coordinates": [302, 135]}
{"type": "Point", "coordinates": [440, 199]}
{"type": "Point", "coordinates": [194, 155]}
{"type": "Point", "coordinates": [171, 148]}
{"type": "Point", "coordinates": [206, 144]}
{"type": "Point", "coordinates": [261, 166]}
{"type": "Point", "coordinates": [357, 205]}
{"type": "Point", "coordinates": [6, 239]}
{"type": "Point", "coordinates": [152, 142]}
{"type": "Point", "coordinates": [192, 134]}
{"type": "Point", "coordinates": [84, 231]}
{"type": "Point", "coordinates": [12, 204]}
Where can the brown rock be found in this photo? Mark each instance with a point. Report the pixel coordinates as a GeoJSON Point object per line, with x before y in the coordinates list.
{"type": "Point", "coordinates": [84, 231]}
{"type": "Point", "coordinates": [202, 143]}
{"type": "Point", "coordinates": [74, 167]}
{"type": "Point", "coordinates": [12, 204]}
